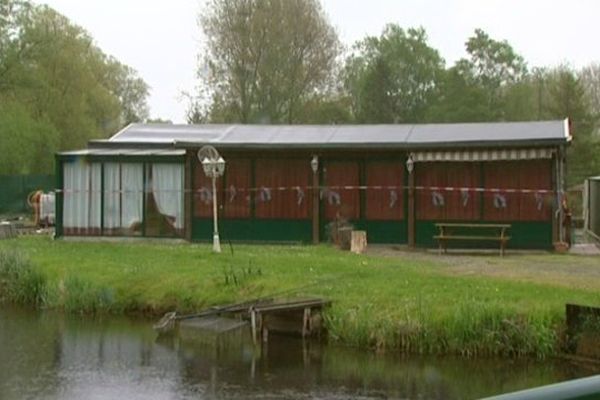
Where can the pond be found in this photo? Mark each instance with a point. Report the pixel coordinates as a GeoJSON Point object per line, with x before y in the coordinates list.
{"type": "Point", "coordinates": [52, 356]}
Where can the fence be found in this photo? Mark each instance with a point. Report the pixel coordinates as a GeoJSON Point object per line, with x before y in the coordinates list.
{"type": "Point", "coordinates": [592, 206]}
{"type": "Point", "coordinates": [15, 188]}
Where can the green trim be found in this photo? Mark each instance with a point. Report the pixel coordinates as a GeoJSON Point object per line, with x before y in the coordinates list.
{"type": "Point", "coordinates": [102, 198]}
{"type": "Point", "coordinates": [264, 230]}
{"type": "Point", "coordinates": [384, 232]}
{"type": "Point", "coordinates": [144, 189]}
{"type": "Point", "coordinates": [122, 159]}
{"type": "Point", "coordinates": [59, 198]}
{"type": "Point", "coordinates": [523, 235]}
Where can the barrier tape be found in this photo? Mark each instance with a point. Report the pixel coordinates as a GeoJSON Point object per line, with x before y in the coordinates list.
{"type": "Point", "coordinates": [330, 188]}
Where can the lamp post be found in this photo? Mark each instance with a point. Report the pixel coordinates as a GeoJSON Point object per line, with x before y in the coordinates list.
{"type": "Point", "coordinates": [410, 164]}
{"type": "Point", "coordinates": [214, 166]}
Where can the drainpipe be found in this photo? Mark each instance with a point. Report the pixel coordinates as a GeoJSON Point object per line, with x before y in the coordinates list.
{"type": "Point", "coordinates": [577, 389]}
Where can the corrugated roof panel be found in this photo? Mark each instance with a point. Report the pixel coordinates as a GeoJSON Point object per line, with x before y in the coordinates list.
{"type": "Point", "coordinates": [302, 134]}
{"type": "Point", "coordinates": [98, 152]}
{"type": "Point", "coordinates": [372, 134]}
{"type": "Point", "coordinates": [346, 135]}
{"type": "Point", "coordinates": [168, 133]}
{"type": "Point", "coordinates": [483, 132]}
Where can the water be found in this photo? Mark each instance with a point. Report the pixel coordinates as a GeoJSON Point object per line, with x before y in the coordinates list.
{"type": "Point", "coordinates": [50, 356]}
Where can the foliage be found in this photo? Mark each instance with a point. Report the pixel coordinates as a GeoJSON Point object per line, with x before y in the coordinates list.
{"type": "Point", "coordinates": [265, 58]}
{"type": "Point", "coordinates": [408, 303]}
{"type": "Point", "coordinates": [20, 281]}
{"type": "Point", "coordinates": [56, 81]}
{"type": "Point", "coordinates": [393, 78]}
{"type": "Point", "coordinates": [27, 145]}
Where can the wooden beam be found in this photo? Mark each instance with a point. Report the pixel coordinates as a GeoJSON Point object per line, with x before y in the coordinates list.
{"type": "Point", "coordinates": [411, 208]}
{"type": "Point", "coordinates": [188, 198]}
{"type": "Point", "coordinates": [315, 208]}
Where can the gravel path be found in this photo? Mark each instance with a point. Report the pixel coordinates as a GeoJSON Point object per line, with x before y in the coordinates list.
{"type": "Point", "coordinates": [568, 270]}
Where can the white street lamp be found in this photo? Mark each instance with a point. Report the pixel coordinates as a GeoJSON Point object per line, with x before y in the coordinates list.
{"type": "Point", "coordinates": [410, 164]}
{"type": "Point", "coordinates": [214, 166]}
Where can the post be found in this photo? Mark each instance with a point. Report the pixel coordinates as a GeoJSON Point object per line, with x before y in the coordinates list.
{"type": "Point", "coordinates": [411, 209]}
{"type": "Point", "coordinates": [213, 166]}
{"type": "Point", "coordinates": [216, 241]}
{"type": "Point", "coordinates": [59, 197]}
{"type": "Point", "coordinates": [188, 199]}
{"type": "Point", "coordinates": [253, 325]}
{"type": "Point", "coordinates": [315, 199]}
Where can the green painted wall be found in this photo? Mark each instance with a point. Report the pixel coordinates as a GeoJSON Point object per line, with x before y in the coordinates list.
{"type": "Point", "coordinates": [378, 232]}
{"type": "Point", "coordinates": [276, 230]}
{"type": "Point", "coordinates": [523, 235]}
{"type": "Point", "coordinates": [14, 190]}
{"type": "Point", "coordinates": [384, 232]}
{"type": "Point", "coordinates": [250, 230]}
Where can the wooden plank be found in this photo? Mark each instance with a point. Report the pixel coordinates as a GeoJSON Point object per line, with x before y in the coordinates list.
{"type": "Point", "coordinates": [319, 303]}
{"type": "Point", "coordinates": [457, 225]}
{"type": "Point", "coordinates": [465, 237]}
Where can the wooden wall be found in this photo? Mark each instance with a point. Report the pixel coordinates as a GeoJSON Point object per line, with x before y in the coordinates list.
{"type": "Point", "coordinates": [385, 203]}
{"type": "Point", "coordinates": [339, 202]}
{"type": "Point", "coordinates": [499, 205]}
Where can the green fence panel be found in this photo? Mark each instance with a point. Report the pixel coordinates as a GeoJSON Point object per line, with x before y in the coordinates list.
{"type": "Point", "coordinates": [251, 230]}
{"type": "Point", "coordinates": [523, 235]}
{"type": "Point", "coordinates": [15, 188]}
{"type": "Point", "coordinates": [594, 205]}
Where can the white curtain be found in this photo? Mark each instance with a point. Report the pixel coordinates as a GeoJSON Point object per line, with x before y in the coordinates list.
{"type": "Point", "coordinates": [112, 195]}
{"type": "Point", "coordinates": [95, 196]}
{"type": "Point", "coordinates": [167, 188]}
{"type": "Point", "coordinates": [132, 185]}
{"type": "Point", "coordinates": [81, 206]}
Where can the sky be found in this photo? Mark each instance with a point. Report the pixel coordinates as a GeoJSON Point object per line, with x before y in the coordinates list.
{"type": "Point", "coordinates": [162, 39]}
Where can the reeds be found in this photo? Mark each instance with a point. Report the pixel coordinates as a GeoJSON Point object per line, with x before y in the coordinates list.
{"type": "Point", "coordinates": [20, 281]}
{"type": "Point", "coordinates": [470, 330]}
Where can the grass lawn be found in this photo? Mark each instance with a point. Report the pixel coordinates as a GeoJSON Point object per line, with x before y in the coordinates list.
{"type": "Point", "coordinates": [411, 301]}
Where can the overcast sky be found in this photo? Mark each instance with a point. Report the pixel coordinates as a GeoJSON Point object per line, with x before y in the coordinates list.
{"type": "Point", "coordinates": [161, 39]}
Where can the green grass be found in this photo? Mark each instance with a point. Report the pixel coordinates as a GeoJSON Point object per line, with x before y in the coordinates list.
{"type": "Point", "coordinates": [378, 302]}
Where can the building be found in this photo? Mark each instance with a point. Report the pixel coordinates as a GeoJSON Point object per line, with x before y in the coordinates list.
{"type": "Point", "coordinates": [394, 181]}
{"type": "Point", "coordinates": [591, 207]}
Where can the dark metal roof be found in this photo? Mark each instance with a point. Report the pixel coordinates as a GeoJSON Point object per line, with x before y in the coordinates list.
{"type": "Point", "coordinates": [116, 152]}
{"type": "Point", "coordinates": [493, 134]}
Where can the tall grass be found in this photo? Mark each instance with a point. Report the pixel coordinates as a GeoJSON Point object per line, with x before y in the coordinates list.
{"type": "Point", "coordinates": [386, 304]}
{"type": "Point", "coordinates": [20, 281]}
{"type": "Point", "coordinates": [472, 330]}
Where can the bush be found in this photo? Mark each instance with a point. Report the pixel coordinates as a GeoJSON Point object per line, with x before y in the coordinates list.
{"type": "Point", "coordinates": [20, 280]}
{"type": "Point", "coordinates": [84, 297]}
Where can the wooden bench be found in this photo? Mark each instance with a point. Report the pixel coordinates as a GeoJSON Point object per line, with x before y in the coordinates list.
{"type": "Point", "coordinates": [463, 232]}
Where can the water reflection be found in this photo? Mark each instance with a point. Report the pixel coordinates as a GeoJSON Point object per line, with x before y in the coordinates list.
{"type": "Point", "coordinates": [46, 355]}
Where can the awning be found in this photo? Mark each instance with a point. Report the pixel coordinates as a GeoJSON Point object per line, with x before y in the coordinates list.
{"type": "Point", "coordinates": [483, 155]}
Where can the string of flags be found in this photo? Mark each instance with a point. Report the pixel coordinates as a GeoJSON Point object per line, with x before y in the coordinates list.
{"type": "Point", "coordinates": [232, 191]}
{"type": "Point", "coordinates": [333, 194]}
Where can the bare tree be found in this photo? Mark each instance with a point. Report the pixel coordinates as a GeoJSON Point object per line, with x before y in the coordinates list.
{"type": "Point", "coordinates": [264, 58]}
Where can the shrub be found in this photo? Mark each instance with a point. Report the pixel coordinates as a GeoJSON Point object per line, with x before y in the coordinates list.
{"type": "Point", "coordinates": [20, 281]}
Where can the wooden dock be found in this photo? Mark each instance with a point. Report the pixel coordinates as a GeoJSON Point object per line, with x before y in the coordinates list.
{"type": "Point", "coordinates": [297, 316]}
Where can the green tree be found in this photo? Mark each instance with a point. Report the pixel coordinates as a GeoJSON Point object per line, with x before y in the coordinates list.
{"type": "Point", "coordinates": [494, 66]}
{"type": "Point", "coordinates": [459, 100]}
{"type": "Point", "coordinates": [265, 58]}
{"type": "Point", "coordinates": [566, 97]}
{"type": "Point", "coordinates": [57, 88]}
{"type": "Point", "coordinates": [27, 145]}
{"type": "Point", "coordinates": [394, 77]}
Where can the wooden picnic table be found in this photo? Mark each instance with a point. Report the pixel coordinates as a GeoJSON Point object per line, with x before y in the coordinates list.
{"type": "Point", "coordinates": [471, 232]}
